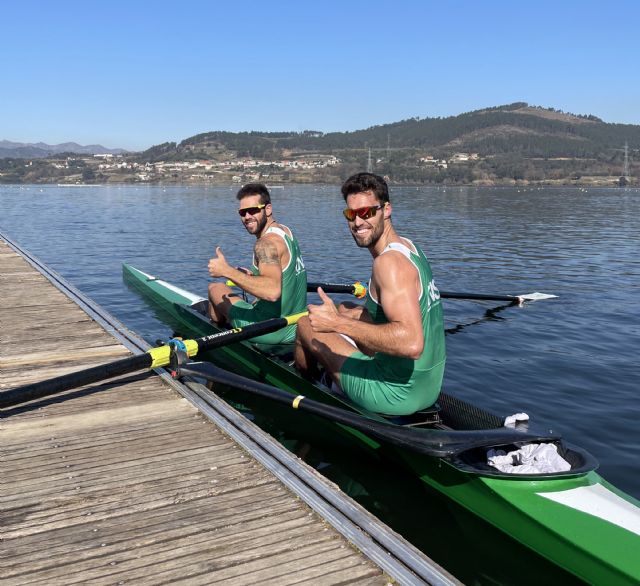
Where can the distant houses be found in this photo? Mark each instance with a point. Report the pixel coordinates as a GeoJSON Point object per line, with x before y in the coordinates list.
{"type": "Point", "coordinates": [147, 170]}
{"type": "Point", "coordinates": [431, 161]}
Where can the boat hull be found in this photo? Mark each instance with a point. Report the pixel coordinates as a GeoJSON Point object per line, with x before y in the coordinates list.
{"type": "Point", "coordinates": [576, 520]}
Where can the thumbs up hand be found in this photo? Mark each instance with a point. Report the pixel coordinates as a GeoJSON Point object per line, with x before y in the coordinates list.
{"type": "Point", "coordinates": [218, 266]}
{"type": "Point", "coordinates": [323, 318]}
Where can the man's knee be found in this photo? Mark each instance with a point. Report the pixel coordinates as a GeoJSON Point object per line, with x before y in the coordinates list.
{"type": "Point", "coordinates": [304, 333]}
{"type": "Point", "coordinates": [216, 291]}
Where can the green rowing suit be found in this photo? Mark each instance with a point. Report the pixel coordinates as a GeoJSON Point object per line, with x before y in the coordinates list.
{"type": "Point", "coordinates": [390, 384]}
{"type": "Point", "coordinates": [293, 297]}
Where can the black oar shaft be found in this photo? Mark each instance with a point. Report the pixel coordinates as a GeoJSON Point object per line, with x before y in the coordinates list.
{"type": "Point", "coordinates": [432, 442]}
{"type": "Point", "coordinates": [479, 296]}
{"type": "Point", "coordinates": [330, 288]}
{"type": "Point", "coordinates": [335, 414]}
{"type": "Point", "coordinates": [73, 380]}
{"type": "Point", "coordinates": [356, 289]}
{"type": "Point", "coordinates": [154, 358]}
{"type": "Point", "coordinates": [245, 333]}
{"type": "Point", "coordinates": [351, 290]}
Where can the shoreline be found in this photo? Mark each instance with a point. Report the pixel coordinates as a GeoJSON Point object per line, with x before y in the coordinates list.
{"type": "Point", "coordinates": [606, 182]}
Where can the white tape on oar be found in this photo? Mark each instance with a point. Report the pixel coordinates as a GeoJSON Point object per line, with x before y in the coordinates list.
{"type": "Point", "coordinates": [537, 296]}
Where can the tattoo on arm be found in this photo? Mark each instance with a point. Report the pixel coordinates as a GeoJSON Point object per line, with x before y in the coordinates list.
{"type": "Point", "coordinates": [266, 253]}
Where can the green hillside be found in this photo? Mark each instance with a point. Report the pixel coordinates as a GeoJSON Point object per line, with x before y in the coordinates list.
{"type": "Point", "coordinates": [514, 128]}
{"type": "Point", "coordinates": [501, 145]}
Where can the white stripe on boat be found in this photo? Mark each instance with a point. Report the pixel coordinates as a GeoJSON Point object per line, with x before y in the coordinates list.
{"type": "Point", "coordinates": [192, 298]}
{"type": "Point", "coordinates": [600, 502]}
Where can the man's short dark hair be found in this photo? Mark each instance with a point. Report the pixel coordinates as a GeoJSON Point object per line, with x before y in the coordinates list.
{"type": "Point", "coordinates": [255, 189]}
{"type": "Point", "coordinates": [366, 182]}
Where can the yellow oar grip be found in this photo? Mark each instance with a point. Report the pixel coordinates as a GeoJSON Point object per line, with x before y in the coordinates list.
{"type": "Point", "coordinates": [160, 356]}
{"type": "Point", "coordinates": [230, 283]}
{"type": "Point", "coordinates": [292, 319]}
{"type": "Point", "coordinates": [297, 401]}
{"type": "Point", "coordinates": [359, 290]}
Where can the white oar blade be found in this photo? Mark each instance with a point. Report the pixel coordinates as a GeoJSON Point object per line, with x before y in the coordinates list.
{"type": "Point", "coordinates": [537, 296]}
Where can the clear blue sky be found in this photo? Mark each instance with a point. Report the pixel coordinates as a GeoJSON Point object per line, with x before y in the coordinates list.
{"type": "Point", "coordinates": [133, 74]}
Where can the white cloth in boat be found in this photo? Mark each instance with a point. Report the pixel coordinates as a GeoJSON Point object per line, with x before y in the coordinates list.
{"type": "Point", "coordinates": [515, 419]}
{"type": "Point", "coordinates": [529, 459]}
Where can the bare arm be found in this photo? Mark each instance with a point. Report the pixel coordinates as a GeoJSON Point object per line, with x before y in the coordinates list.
{"type": "Point", "coordinates": [267, 284]}
{"type": "Point", "coordinates": [397, 283]}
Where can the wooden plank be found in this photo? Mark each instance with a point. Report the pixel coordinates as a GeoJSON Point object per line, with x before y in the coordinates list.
{"type": "Point", "coordinates": [75, 341]}
{"type": "Point", "coordinates": [72, 554]}
{"type": "Point", "coordinates": [120, 533]}
{"type": "Point", "coordinates": [124, 481]}
{"type": "Point", "coordinates": [66, 354]}
{"type": "Point", "coordinates": [88, 421]}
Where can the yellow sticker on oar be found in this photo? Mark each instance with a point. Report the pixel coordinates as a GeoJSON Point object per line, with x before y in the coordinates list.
{"type": "Point", "coordinates": [296, 401]}
{"type": "Point", "coordinates": [359, 290]}
{"type": "Point", "coordinates": [160, 356]}
{"type": "Point", "coordinates": [292, 319]}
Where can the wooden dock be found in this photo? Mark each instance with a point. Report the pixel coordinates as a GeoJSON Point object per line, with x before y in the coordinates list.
{"type": "Point", "coordinates": [130, 482]}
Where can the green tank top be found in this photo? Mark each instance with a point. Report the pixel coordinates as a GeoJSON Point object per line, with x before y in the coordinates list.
{"type": "Point", "coordinates": [424, 375]}
{"type": "Point", "coordinates": [293, 296]}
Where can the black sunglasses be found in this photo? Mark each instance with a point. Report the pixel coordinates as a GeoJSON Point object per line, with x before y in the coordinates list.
{"type": "Point", "coordinates": [252, 210]}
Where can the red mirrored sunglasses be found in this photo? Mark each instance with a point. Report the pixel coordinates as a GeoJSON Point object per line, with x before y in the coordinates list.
{"type": "Point", "coordinates": [363, 213]}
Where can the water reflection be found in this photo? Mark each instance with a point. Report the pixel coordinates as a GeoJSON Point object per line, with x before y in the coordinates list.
{"type": "Point", "coordinates": [489, 315]}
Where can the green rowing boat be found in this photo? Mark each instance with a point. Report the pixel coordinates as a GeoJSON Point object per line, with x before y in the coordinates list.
{"type": "Point", "coordinates": [575, 519]}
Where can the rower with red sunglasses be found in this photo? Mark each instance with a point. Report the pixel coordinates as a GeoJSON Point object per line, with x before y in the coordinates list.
{"type": "Point", "coordinates": [277, 279]}
{"type": "Point", "coordinates": [387, 356]}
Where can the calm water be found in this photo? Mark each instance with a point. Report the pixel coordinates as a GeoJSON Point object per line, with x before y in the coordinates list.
{"type": "Point", "coordinates": [571, 363]}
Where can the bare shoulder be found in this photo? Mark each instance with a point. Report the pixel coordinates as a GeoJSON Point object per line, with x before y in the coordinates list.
{"type": "Point", "coordinates": [267, 250]}
{"type": "Point", "coordinates": [392, 265]}
{"type": "Point", "coordinates": [285, 229]}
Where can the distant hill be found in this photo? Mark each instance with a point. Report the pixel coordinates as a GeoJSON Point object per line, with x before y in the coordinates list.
{"type": "Point", "coordinates": [501, 145]}
{"type": "Point", "coordinates": [22, 150]}
{"type": "Point", "coordinates": [518, 128]}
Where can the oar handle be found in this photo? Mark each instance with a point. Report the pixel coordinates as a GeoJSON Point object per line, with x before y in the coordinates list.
{"type": "Point", "coordinates": [356, 289]}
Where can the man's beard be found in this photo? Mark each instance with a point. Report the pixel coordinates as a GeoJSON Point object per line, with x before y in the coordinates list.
{"type": "Point", "coordinates": [259, 226]}
{"type": "Point", "coordinates": [372, 237]}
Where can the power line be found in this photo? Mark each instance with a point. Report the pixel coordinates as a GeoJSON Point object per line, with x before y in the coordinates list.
{"type": "Point", "coordinates": [625, 171]}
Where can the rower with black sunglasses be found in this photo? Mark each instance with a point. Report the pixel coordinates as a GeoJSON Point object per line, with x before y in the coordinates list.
{"type": "Point", "coordinates": [277, 279]}
{"type": "Point", "coordinates": [387, 356]}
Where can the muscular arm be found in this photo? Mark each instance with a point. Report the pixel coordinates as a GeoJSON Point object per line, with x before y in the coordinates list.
{"type": "Point", "coordinates": [267, 284]}
{"type": "Point", "coordinates": [397, 286]}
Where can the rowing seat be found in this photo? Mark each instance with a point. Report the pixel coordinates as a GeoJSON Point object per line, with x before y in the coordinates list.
{"type": "Point", "coordinates": [428, 416]}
